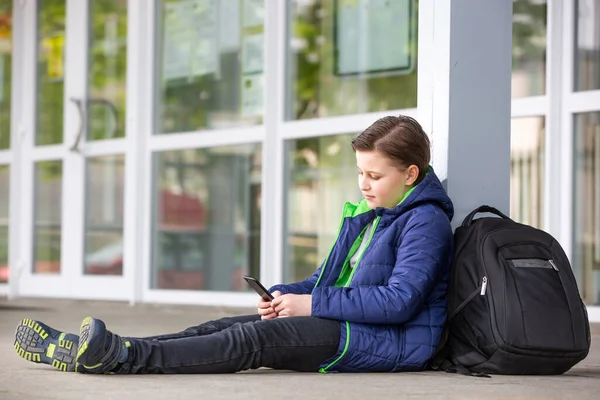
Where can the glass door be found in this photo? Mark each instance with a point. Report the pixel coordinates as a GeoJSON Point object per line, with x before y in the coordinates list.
{"type": "Point", "coordinates": [6, 46]}
{"type": "Point", "coordinates": [73, 154]}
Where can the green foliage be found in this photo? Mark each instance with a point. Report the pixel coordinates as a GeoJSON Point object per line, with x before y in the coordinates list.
{"type": "Point", "coordinates": [108, 68]}
{"type": "Point", "coordinates": [316, 89]}
{"type": "Point", "coordinates": [50, 90]}
{"type": "Point", "coordinates": [47, 244]}
{"type": "Point", "coordinates": [107, 63]}
{"type": "Point", "coordinates": [529, 31]}
{"type": "Point", "coordinates": [6, 78]}
{"type": "Point", "coordinates": [3, 245]}
{"type": "Point", "coordinates": [48, 170]}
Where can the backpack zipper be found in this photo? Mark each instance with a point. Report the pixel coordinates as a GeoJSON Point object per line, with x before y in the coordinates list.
{"type": "Point", "coordinates": [553, 265]}
{"type": "Point", "coordinates": [481, 290]}
{"type": "Point", "coordinates": [483, 286]}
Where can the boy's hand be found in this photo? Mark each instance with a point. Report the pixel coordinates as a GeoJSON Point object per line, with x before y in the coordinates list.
{"type": "Point", "coordinates": [293, 305]}
{"type": "Point", "coordinates": [265, 310]}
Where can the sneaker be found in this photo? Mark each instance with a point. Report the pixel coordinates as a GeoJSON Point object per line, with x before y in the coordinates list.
{"type": "Point", "coordinates": [100, 350]}
{"type": "Point", "coordinates": [37, 342]}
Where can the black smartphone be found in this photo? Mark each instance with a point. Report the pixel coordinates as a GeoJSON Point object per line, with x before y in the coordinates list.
{"type": "Point", "coordinates": [259, 288]}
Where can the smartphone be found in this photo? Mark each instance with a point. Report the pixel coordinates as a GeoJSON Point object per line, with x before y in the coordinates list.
{"type": "Point", "coordinates": [259, 288]}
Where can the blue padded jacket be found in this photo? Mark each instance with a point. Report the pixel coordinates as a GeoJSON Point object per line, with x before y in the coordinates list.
{"type": "Point", "coordinates": [393, 310]}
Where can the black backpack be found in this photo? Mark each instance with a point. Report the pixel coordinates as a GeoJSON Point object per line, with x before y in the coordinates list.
{"type": "Point", "coordinates": [513, 303]}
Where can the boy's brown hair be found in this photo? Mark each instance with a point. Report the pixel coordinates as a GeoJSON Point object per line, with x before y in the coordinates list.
{"type": "Point", "coordinates": [401, 139]}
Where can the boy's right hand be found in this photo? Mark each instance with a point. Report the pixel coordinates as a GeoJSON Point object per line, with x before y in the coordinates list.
{"type": "Point", "coordinates": [264, 307]}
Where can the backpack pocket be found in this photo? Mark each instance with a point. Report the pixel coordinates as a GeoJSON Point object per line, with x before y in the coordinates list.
{"type": "Point", "coordinates": [537, 310]}
{"type": "Point", "coordinates": [533, 263]}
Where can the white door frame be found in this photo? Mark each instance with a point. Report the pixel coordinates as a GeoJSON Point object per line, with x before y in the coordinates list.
{"type": "Point", "coordinates": [71, 282]}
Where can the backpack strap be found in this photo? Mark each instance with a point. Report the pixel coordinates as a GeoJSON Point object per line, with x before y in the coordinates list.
{"type": "Point", "coordinates": [446, 333]}
{"type": "Point", "coordinates": [442, 360]}
{"type": "Point", "coordinates": [469, 218]}
{"type": "Point", "coordinates": [464, 303]}
{"type": "Point", "coordinates": [441, 351]}
{"type": "Point", "coordinates": [461, 369]}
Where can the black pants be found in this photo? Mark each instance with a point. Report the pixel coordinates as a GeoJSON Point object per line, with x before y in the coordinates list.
{"type": "Point", "coordinates": [236, 344]}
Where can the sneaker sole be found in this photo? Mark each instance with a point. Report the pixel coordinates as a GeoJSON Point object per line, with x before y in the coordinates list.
{"type": "Point", "coordinates": [87, 329]}
{"type": "Point", "coordinates": [34, 343]}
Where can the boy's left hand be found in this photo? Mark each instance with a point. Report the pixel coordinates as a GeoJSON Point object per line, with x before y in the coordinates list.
{"type": "Point", "coordinates": [293, 305]}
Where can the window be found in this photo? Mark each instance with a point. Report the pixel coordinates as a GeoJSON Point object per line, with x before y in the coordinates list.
{"type": "Point", "coordinates": [336, 63]}
{"type": "Point", "coordinates": [206, 226]}
{"type": "Point", "coordinates": [4, 221]}
{"type": "Point", "coordinates": [47, 211]}
{"type": "Point", "coordinates": [5, 73]}
{"type": "Point", "coordinates": [211, 63]}
{"type": "Point", "coordinates": [587, 45]}
{"type": "Point", "coordinates": [529, 48]}
{"type": "Point", "coordinates": [321, 176]}
{"type": "Point", "coordinates": [527, 157]}
{"type": "Point", "coordinates": [50, 71]}
{"type": "Point", "coordinates": [104, 215]}
{"type": "Point", "coordinates": [108, 65]}
{"type": "Point", "coordinates": [586, 205]}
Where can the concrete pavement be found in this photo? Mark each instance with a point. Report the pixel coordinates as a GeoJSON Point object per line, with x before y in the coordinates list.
{"type": "Point", "coordinates": [20, 379]}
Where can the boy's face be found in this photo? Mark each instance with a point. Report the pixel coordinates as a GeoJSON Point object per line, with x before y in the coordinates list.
{"type": "Point", "coordinates": [380, 181]}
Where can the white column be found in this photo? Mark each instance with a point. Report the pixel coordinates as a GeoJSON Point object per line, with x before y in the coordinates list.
{"type": "Point", "coordinates": [23, 118]}
{"type": "Point", "coordinates": [138, 165]}
{"type": "Point", "coordinates": [76, 68]}
{"type": "Point", "coordinates": [555, 57]}
{"type": "Point", "coordinates": [272, 208]}
{"type": "Point", "coordinates": [464, 98]}
{"type": "Point", "coordinates": [15, 262]}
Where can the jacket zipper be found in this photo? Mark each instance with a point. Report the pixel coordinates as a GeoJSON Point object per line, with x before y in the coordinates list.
{"type": "Point", "coordinates": [324, 370]}
{"type": "Point", "coordinates": [337, 236]}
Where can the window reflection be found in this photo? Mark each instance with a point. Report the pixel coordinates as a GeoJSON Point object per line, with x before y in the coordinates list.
{"type": "Point", "coordinates": [5, 72]}
{"type": "Point", "coordinates": [529, 48]}
{"type": "Point", "coordinates": [104, 215]}
{"type": "Point", "coordinates": [321, 176]}
{"type": "Point", "coordinates": [587, 45]}
{"type": "Point", "coordinates": [4, 220]}
{"type": "Point", "coordinates": [108, 65]}
{"type": "Point", "coordinates": [50, 71]}
{"type": "Point", "coordinates": [47, 217]}
{"type": "Point", "coordinates": [212, 64]}
{"type": "Point", "coordinates": [206, 232]}
{"type": "Point", "coordinates": [336, 62]}
{"type": "Point", "coordinates": [527, 157]}
{"type": "Point", "coordinates": [586, 205]}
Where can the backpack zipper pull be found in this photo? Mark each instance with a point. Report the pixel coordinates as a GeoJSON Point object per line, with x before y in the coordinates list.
{"type": "Point", "coordinates": [483, 286]}
{"type": "Point", "coordinates": [553, 265]}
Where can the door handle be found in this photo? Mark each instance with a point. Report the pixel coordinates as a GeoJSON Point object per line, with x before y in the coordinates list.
{"type": "Point", "coordinates": [82, 109]}
{"type": "Point", "coordinates": [82, 124]}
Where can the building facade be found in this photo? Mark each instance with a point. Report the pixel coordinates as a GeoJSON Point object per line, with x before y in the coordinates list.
{"type": "Point", "coordinates": [159, 150]}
